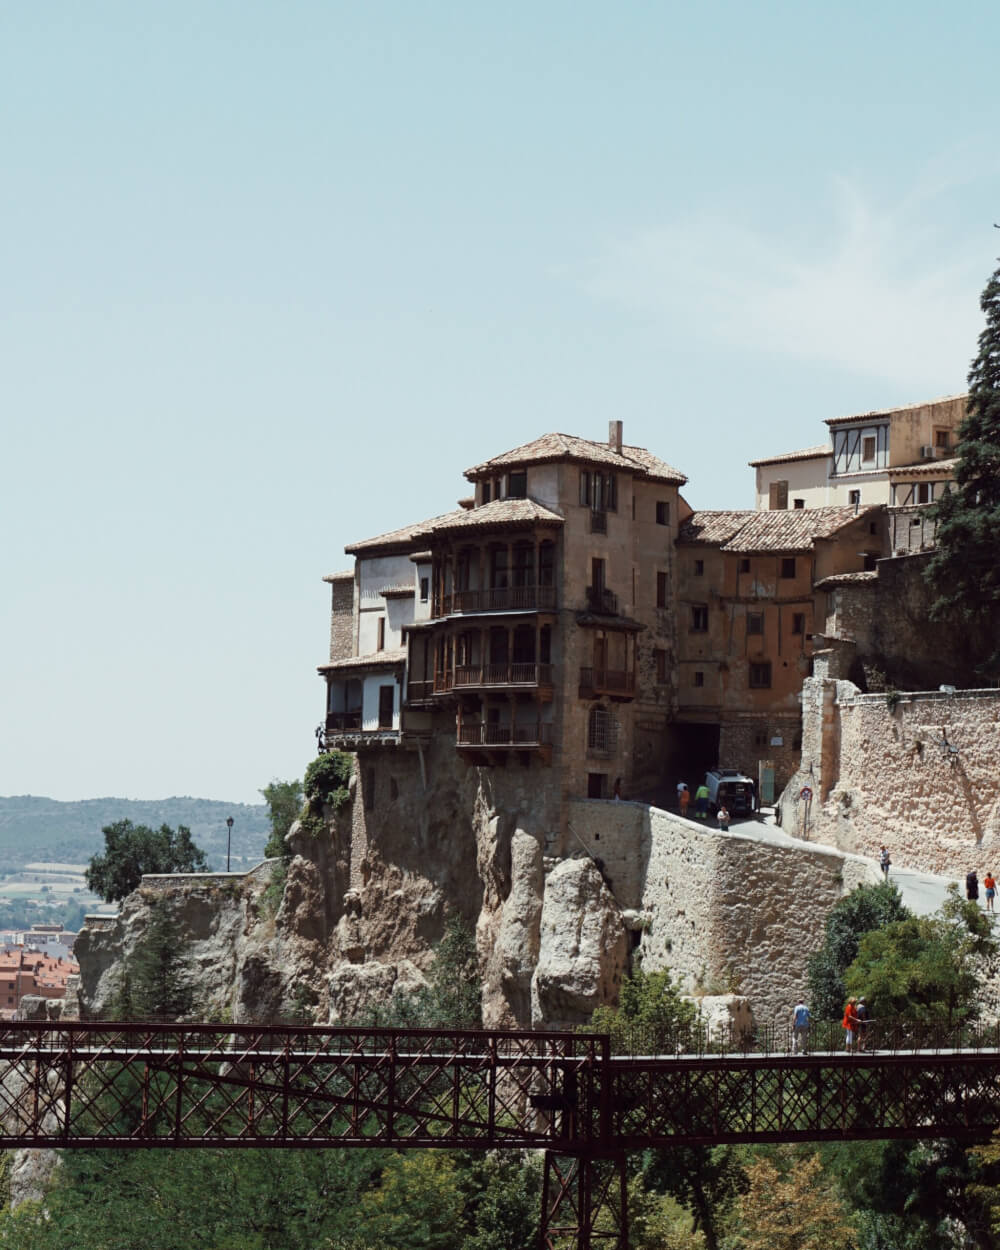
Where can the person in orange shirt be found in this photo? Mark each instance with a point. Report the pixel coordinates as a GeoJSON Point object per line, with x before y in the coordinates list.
{"type": "Point", "coordinates": [989, 882]}
{"type": "Point", "coordinates": [850, 1023]}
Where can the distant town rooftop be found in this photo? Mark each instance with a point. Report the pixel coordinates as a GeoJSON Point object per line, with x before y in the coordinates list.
{"type": "Point", "coordinates": [776, 530]}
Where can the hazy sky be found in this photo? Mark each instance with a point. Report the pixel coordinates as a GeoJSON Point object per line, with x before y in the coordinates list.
{"type": "Point", "coordinates": [272, 275]}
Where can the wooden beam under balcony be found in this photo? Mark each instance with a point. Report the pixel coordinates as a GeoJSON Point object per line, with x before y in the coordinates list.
{"type": "Point", "coordinates": [618, 683]}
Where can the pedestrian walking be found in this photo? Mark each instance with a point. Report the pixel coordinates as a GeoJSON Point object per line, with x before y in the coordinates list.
{"type": "Point", "coordinates": [701, 801]}
{"type": "Point", "coordinates": [850, 1023]}
{"type": "Point", "coordinates": [800, 1028]}
{"type": "Point", "coordinates": [990, 885]}
{"type": "Point", "coordinates": [972, 887]}
{"type": "Point", "coordinates": [683, 798]}
{"type": "Point", "coordinates": [884, 861]}
{"type": "Point", "coordinates": [864, 1020]}
{"type": "Point", "coordinates": [722, 815]}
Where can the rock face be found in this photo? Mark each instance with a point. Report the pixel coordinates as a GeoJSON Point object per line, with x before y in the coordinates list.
{"type": "Point", "coordinates": [557, 918]}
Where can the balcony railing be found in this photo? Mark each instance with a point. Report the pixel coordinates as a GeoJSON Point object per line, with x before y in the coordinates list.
{"type": "Point", "coordinates": [600, 599]}
{"type": "Point", "coordinates": [598, 522]}
{"type": "Point", "coordinates": [416, 691]}
{"type": "Point", "coordinates": [531, 735]}
{"type": "Point", "coordinates": [339, 722]}
{"type": "Point", "coordinates": [607, 680]}
{"type": "Point", "coordinates": [502, 675]}
{"type": "Point", "coordinates": [497, 599]}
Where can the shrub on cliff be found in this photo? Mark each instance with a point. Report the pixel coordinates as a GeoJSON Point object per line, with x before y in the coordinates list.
{"type": "Point", "coordinates": [284, 803]}
{"type": "Point", "coordinates": [327, 779]}
{"type": "Point", "coordinates": [132, 850]}
{"type": "Point", "coordinates": [866, 908]}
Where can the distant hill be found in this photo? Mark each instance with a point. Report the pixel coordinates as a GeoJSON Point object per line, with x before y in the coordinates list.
{"type": "Point", "coordinates": [33, 828]}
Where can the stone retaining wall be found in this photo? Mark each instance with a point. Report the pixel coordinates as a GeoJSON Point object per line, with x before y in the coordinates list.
{"type": "Point", "coordinates": [260, 874]}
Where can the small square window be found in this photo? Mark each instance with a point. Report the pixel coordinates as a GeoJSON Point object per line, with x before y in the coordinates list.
{"type": "Point", "coordinates": [868, 448]}
{"type": "Point", "coordinates": [699, 618]}
{"type": "Point", "coordinates": [760, 676]}
{"type": "Point", "coordinates": [788, 566]}
{"type": "Point", "coordinates": [942, 438]}
{"type": "Point", "coordinates": [755, 622]}
{"type": "Point", "coordinates": [798, 503]}
{"type": "Point", "coordinates": [662, 512]}
{"type": "Point", "coordinates": [854, 498]}
{"type": "Point", "coordinates": [699, 678]}
{"type": "Point", "coordinates": [923, 492]}
{"type": "Point", "coordinates": [798, 622]}
{"type": "Point", "coordinates": [744, 564]}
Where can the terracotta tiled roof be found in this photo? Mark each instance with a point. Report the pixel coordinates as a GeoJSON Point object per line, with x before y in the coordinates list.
{"type": "Point", "coordinates": [774, 530]}
{"type": "Point", "coordinates": [713, 527]}
{"type": "Point", "coordinates": [847, 579]}
{"type": "Point", "coordinates": [400, 539]}
{"type": "Point", "coordinates": [888, 412]}
{"type": "Point", "coordinates": [925, 468]}
{"type": "Point", "coordinates": [552, 447]}
{"type": "Point", "coordinates": [807, 453]}
{"type": "Point", "coordinates": [377, 659]}
{"type": "Point", "coordinates": [499, 513]}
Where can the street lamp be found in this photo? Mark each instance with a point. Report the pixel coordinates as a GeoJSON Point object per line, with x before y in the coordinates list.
{"type": "Point", "coordinates": [229, 838]}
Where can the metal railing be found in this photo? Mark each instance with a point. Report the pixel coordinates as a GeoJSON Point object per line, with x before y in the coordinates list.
{"type": "Point", "coordinates": [338, 722]}
{"type": "Point", "coordinates": [600, 599]}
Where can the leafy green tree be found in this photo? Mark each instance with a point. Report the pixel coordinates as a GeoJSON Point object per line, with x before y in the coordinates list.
{"type": "Point", "coordinates": [503, 1202]}
{"type": "Point", "coordinates": [866, 908]}
{"type": "Point", "coordinates": [284, 803]}
{"type": "Point", "coordinates": [925, 968]}
{"type": "Point", "coordinates": [132, 850]}
{"type": "Point", "coordinates": [791, 1207]}
{"type": "Point", "coordinates": [650, 1016]}
{"type": "Point", "coordinates": [327, 779]}
{"type": "Point", "coordinates": [965, 569]}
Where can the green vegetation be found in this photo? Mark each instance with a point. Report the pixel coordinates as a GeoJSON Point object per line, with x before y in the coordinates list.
{"type": "Point", "coordinates": [328, 778]}
{"type": "Point", "coordinates": [965, 568]}
{"type": "Point", "coordinates": [867, 908]}
{"type": "Point", "coordinates": [284, 803]}
{"type": "Point", "coordinates": [133, 850]}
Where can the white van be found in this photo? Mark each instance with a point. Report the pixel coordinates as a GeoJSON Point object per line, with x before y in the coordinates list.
{"type": "Point", "coordinates": [730, 787]}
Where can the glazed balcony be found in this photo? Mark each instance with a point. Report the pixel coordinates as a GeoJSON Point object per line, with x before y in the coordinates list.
{"type": "Point", "coordinates": [619, 683]}
{"type": "Point", "coordinates": [514, 737]}
{"type": "Point", "coordinates": [496, 599]}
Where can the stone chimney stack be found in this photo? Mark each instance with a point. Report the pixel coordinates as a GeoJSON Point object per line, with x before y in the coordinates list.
{"type": "Point", "coordinates": [615, 436]}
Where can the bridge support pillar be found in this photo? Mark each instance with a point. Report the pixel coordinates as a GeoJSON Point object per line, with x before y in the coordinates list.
{"type": "Point", "coordinates": [584, 1204]}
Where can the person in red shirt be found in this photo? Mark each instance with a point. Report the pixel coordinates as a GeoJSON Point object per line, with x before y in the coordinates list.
{"type": "Point", "coordinates": [850, 1023]}
{"type": "Point", "coordinates": [989, 882]}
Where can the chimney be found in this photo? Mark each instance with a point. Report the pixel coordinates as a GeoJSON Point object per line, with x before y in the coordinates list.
{"type": "Point", "coordinates": [615, 436]}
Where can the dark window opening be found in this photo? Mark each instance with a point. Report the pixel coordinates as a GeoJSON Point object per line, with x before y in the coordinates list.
{"type": "Point", "coordinates": [661, 590]}
{"type": "Point", "coordinates": [381, 634]}
{"type": "Point", "coordinates": [486, 492]}
{"type": "Point", "coordinates": [760, 676]}
{"type": "Point", "coordinates": [699, 568]}
{"type": "Point", "coordinates": [662, 512]}
{"type": "Point", "coordinates": [868, 448]}
{"type": "Point", "coordinates": [386, 706]}
{"type": "Point", "coordinates": [854, 498]}
{"type": "Point", "coordinates": [798, 503]}
{"type": "Point", "coordinates": [699, 618]}
{"type": "Point", "coordinates": [517, 484]}
{"type": "Point", "coordinates": [745, 564]}
{"type": "Point", "coordinates": [869, 561]}
{"type": "Point", "coordinates": [597, 785]}
{"type": "Point", "coordinates": [755, 622]}
{"type": "Point", "coordinates": [425, 588]}
{"type": "Point", "coordinates": [699, 678]}
{"type": "Point", "coordinates": [788, 566]}
{"type": "Point", "coordinates": [798, 622]}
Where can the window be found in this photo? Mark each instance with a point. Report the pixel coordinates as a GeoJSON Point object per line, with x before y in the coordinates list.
{"type": "Point", "coordinates": [599, 491]}
{"type": "Point", "coordinates": [777, 495]}
{"type": "Point", "coordinates": [597, 575]}
{"type": "Point", "coordinates": [798, 622]}
{"type": "Point", "coordinates": [760, 676]}
{"type": "Point", "coordinates": [699, 568]}
{"type": "Point", "coordinates": [854, 498]}
{"type": "Point", "coordinates": [661, 666]}
{"type": "Point", "coordinates": [486, 492]}
{"type": "Point", "coordinates": [699, 618]}
{"type": "Point", "coordinates": [755, 623]}
{"type": "Point", "coordinates": [788, 566]}
{"type": "Point", "coordinates": [600, 730]}
{"type": "Point", "coordinates": [744, 564]}
{"type": "Point", "coordinates": [923, 492]}
{"type": "Point", "coordinates": [381, 634]}
{"type": "Point", "coordinates": [425, 588]}
{"type": "Point", "coordinates": [868, 448]}
{"type": "Point", "coordinates": [799, 503]}
{"type": "Point", "coordinates": [517, 484]}
{"type": "Point", "coordinates": [942, 438]}
{"type": "Point", "coordinates": [661, 590]}
{"type": "Point", "coordinates": [869, 561]}
{"type": "Point", "coordinates": [386, 705]}
{"type": "Point", "coordinates": [662, 512]}
{"type": "Point", "coordinates": [699, 678]}
{"type": "Point", "coordinates": [597, 785]}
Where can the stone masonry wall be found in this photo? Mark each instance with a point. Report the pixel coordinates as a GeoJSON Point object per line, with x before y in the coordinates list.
{"type": "Point", "coordinates": [342, 617]}
{"type": "Point", "coordinates": [723, 911]}
{"type": "Point", "coordinates": [919, 772]}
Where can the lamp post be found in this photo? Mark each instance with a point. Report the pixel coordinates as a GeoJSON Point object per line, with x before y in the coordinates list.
{"type": "Point", "coordinates": [229, 838]}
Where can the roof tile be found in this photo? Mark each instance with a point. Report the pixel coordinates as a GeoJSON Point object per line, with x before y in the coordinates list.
{"type": "Point", "coordinates": [772, 530]}
{"type": "Point", "coordinates": [550, 447]}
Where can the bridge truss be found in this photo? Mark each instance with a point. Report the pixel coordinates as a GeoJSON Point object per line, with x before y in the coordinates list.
{"type": "Point", "coordinates": [118, 1086]}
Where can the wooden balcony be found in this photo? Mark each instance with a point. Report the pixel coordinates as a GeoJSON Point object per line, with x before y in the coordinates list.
{"type": "Point", "coordinates": [496, 599]}
{"type": "Point", "coordinates": [499, 676]}
{"type": "Point", "coordinates": [514, 737]}
{"type": "Point", "coordinates": [342, 722]}
{"type": "Point", "coordinates": [344, 733]}
{"type": "Point", "coordinates": [600, 599]}
{"type": "Point", "coordinates": [619, 683]}
{"type": "Point", "coordinates": [419, 691]}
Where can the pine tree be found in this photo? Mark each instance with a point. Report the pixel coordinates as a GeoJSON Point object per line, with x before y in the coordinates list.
{"type": "Point", "coordinates": [965, 570]}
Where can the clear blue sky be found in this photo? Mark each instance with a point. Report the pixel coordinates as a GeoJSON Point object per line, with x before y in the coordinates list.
{"type": "Point", "coordinates": [273, 275]}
